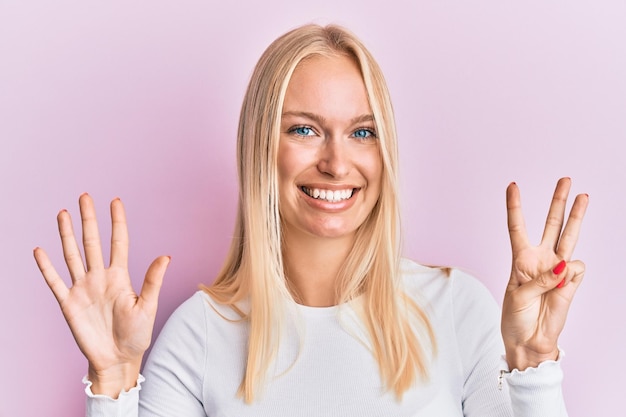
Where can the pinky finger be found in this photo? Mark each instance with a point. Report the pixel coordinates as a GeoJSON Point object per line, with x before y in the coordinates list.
{"type": "Point", "coordinates": [54, 281]}
{"type": "Point", "coordinates": [574, 275]}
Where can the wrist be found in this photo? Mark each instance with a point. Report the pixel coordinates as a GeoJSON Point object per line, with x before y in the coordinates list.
{"type": "Point", "coordinates": [113, 380]}
{"type": "Point", "coordinates": [521, 358]}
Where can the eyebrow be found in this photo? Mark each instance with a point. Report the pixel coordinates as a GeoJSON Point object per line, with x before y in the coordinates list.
{"type": "Point", "coordinates": [319, 119]}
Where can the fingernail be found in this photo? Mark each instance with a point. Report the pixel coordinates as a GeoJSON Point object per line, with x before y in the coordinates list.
{"type": "Point", "coordinates": [559, 268]}
{"type": "Point", "coordinates": [561, 284]}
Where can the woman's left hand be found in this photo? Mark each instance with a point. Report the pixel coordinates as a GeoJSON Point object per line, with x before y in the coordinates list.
{"type": "Point", "coordinates": [543, 279]}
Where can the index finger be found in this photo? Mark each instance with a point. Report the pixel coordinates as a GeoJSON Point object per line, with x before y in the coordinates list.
{"type": "Point", "coordinates": [515, 218]}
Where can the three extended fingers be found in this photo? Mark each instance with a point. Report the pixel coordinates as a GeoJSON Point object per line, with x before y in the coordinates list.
{"type": "Point", "coordinates": [561, 240]}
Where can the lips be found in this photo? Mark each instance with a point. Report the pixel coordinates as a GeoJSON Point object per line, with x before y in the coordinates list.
{"type": "Point", "coordinates": [332, 196]}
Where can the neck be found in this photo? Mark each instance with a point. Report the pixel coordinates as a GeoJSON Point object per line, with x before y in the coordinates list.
{"type": "Point", "coordinates": [312, 265]}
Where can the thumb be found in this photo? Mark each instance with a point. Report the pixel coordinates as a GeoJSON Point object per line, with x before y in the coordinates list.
{"type": "Point", "coordinates": [153, 281]}
{"type": "Point", "coordinates": [572, 277]}
{"type": "Point", "coordinates": [546, 281]}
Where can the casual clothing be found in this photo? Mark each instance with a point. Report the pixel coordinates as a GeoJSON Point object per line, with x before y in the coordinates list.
{"type": "Point", "coordinates": [324, 366]}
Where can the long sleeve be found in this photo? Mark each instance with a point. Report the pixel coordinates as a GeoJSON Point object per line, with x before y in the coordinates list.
{"type": "Point", "coordinates": [532, 393]}
{"type": "Point", "coordinates": [103, 406]}
{"type": "Point", "coordinates": [537, 391]}
{"type": "Point", "coordinates": [174, 369]}
{"type": "Point", "coordinates": [197, 362]}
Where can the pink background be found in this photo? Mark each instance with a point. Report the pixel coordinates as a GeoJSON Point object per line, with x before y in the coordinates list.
{"type": "Point", "coordinates": [141, 100]}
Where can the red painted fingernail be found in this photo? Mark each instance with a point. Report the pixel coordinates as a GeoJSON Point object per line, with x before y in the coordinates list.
{"type": "Point", "coordinates": [561, 284]}
{"type": "Point", "coordinates": [559, 268]}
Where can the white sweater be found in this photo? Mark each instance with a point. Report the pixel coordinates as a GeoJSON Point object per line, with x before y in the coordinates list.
{"type": "Point", "coordinates": [197, 364]}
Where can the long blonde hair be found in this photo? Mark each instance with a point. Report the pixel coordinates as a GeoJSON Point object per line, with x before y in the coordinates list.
{"type": "Point", "coordinates": [254, 272]}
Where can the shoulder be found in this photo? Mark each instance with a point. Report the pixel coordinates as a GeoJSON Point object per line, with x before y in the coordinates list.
{"type": "Point", "coordinates": [464, 314]}
{"type": "Point", "coordinates": [452, 297]}
{"type": "Point", "coordinates": [187, 323]}
{"type": "Point", "coordinates": [199, 313]}
{"type": "Point", "coordinates": [436, 282]}
{"type": "Point", "coordinates": [197, 329]}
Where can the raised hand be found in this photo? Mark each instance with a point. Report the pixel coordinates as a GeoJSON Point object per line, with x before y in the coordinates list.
{"type": "Point", "coordinates": [543, 279]}
{"type": "Point", "coordinates": [111, 324]}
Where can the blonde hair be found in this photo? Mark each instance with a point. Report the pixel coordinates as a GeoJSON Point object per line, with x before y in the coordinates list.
{"type": "Point", "coordinates": [254, 272]}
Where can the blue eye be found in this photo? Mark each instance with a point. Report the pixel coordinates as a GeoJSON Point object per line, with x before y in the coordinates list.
{"type": "Point", "coordinates": [364, 134]}
{"type": "Point", "coordinates": [302, 131]}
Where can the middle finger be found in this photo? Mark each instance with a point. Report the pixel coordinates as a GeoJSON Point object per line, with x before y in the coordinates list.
{"type": "Point", "coordinates": [71, 252]}
{"type": "Point", "coordinates": [91, 236]}
{"type": "Point", "coordinates": [554, 222]}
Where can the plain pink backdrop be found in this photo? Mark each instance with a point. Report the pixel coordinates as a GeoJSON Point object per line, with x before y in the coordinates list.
{"type": "Point", "coordinates": [140, 100]}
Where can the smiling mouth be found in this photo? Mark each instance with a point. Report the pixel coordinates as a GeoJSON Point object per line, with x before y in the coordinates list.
{"type": "Point", "coordinates": [332, 196]}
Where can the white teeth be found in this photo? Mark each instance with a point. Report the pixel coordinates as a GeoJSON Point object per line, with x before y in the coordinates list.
{"type": "Point", "coordinates": [328, 195]}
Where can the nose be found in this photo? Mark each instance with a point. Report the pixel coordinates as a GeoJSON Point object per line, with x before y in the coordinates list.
{"type": "Point", "coordinates": [334, 158]}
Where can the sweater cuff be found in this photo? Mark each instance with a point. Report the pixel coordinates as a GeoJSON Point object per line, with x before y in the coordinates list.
{"type": "Point", "coordinates": [126, 405]}
{"type": "Point", "coordinates": [537, 391]}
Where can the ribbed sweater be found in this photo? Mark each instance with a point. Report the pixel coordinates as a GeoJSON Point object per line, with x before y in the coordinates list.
{"type": "Point", "coordinates": [325, 367]}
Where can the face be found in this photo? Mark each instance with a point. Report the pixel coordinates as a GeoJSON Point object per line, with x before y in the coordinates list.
{"type": "Point", "coordinates": [329, 162]}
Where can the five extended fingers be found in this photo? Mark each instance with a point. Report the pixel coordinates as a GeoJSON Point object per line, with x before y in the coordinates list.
{"type": "Point", "coordinates": [93, 251]}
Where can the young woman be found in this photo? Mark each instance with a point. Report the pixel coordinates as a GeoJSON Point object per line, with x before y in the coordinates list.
{"type": "Point", "coordinates": [314, 313]}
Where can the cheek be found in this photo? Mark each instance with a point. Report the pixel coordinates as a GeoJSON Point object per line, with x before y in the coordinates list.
{"type": "Point", "coordinates": [292, 161]}
{"type": "Point", "coordinates": [284, 163]}
{"type": "Point", "coordinates": [373, 168]}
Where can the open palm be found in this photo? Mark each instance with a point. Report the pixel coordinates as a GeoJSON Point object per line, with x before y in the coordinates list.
{"type": "Point", "coordinates": [112, 325]}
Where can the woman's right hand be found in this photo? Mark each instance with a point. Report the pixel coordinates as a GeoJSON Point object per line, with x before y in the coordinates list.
{"type": "Point", "coordinates": [110, 322]}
